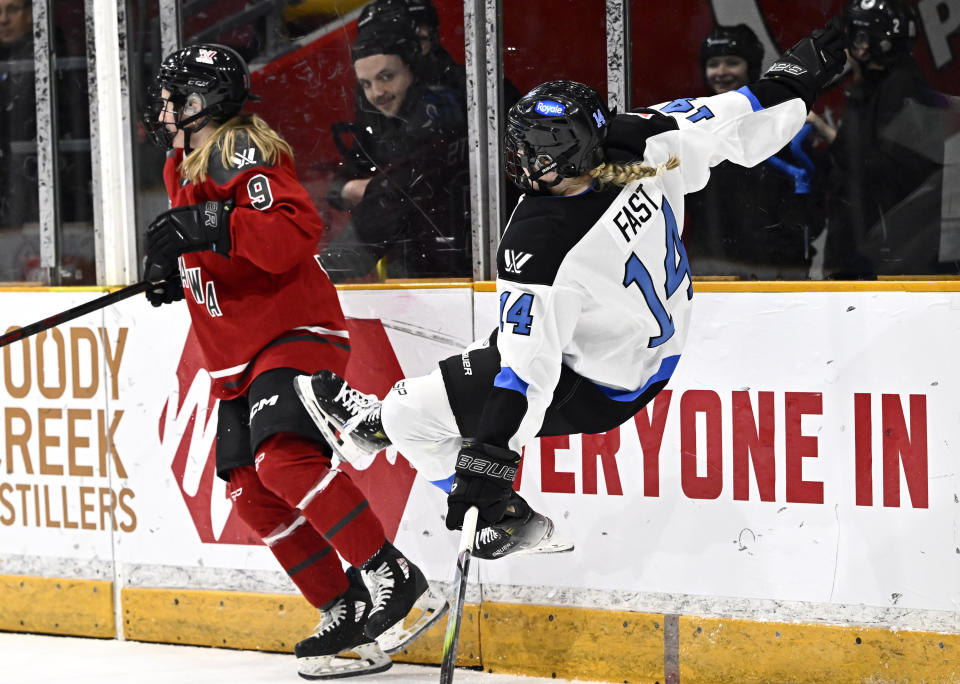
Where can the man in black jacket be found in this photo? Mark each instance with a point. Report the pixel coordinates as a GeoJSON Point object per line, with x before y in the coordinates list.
{"type": "Point", "coordinates": [404, 177]}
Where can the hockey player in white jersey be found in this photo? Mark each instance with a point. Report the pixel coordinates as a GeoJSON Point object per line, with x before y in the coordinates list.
{"type": "Point", "coordinates": [594, 287]}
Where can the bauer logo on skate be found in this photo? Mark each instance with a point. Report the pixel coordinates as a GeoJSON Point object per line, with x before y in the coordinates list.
{"type": "Point", "coordinates": [62, 467]}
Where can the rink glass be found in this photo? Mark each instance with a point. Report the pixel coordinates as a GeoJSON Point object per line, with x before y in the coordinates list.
{"type": "Point", "coordinates": [300, 57]}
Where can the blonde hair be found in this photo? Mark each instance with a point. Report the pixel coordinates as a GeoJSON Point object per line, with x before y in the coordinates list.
{"type": "Point", "coordinates": [258, 133]}
{"type": "Point", "coordinates": [624, 174]}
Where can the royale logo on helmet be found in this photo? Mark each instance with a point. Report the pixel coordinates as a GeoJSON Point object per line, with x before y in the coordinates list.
{"type": "Point", "coordinates": [549, 108]}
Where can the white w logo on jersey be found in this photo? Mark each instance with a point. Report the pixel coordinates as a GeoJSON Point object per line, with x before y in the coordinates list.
{"type": "Point", "coordinates": [241, 159]}
{"type": "Point", "coordinates": [515, 260]}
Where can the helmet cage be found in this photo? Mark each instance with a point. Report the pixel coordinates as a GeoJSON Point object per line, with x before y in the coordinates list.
{"type": "Point", "coordinates": [886, 28]}
{"type": "Point", "coordinates": [535, 152]}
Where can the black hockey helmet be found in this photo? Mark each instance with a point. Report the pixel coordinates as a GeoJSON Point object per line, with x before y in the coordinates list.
{"type": "Point", "coordinates": [739, 40]}
{"type": "Point", "coordinates": [424, 14]}
{"type": "Point", "coordinates": [212, 75]}
{"type": "Point", "coordinates": [417, 12]}
{"type": "Point", "coordinates": [386, 36]}
{"type": "Point", "coordinates": [888, 28]}
{"type": "Point", "coordinates": [384, 12]}
{"type": "Point", "coordinates": [558, 126]}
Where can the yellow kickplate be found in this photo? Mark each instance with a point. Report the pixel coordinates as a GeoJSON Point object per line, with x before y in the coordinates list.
{"type": "Point", "coordinates": [572, 643]}
{"type": "Point", "coordinates": [428, 648]}
{"type": "Point", "coordinates": [230, 619]}
{"type": "Point", "coordinates": [263, 622]}
{"type": "Point", "coordinates": [717, 651]}
{"type": "Point", "coordinates": [46, 605]}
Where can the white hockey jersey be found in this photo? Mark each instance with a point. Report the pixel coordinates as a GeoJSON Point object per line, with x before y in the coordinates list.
{"type": "Point", "coordinates": [600, 282]}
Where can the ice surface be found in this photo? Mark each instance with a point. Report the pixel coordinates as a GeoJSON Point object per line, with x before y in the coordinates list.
{"type": "Point", "coordinates": [31, 658]}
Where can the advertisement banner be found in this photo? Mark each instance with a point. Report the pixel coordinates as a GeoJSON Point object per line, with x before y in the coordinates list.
{"type": "Point", "coordinates": [804, 452]}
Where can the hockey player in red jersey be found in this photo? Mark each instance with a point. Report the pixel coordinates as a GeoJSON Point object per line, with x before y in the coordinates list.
{"type": "Point", "coordinates": [239, 244]}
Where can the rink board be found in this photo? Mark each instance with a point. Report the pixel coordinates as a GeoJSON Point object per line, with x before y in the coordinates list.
{"type": "Point", "coordinates": [799, 473]}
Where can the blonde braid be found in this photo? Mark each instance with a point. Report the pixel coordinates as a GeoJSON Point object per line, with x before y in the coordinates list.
{"type": "Point", "coordinates": [624, 174]}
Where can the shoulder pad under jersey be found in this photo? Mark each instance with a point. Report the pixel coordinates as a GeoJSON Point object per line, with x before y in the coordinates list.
{"type": "Point", "coordinates": [246, 155]}
{"type": "Point", "coordinates": [543, 230]}
{"type": "Point", "coordinates": [628, 133]}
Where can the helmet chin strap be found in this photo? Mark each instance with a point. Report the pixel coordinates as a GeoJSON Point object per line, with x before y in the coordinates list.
{"type": "Point", "coordinates": [203, 117]}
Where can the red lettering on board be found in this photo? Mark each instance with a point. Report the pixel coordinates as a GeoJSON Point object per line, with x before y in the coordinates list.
{"type": "Point", "coordinates": [692, 403]}
{"type": "Point", "coordinates": [650, 433]}
{"type": "Point", "coordinates": [753, 443]}
{"type": "Point", "coordinates": [551, 480]}
{"type": "Point", "coordinates": [800, 446]}
{"type": "Point", "coordinates": [862, 449]}
{"type": "Point", "coordinates": [908, 449]}
{"type": "Point", "coordinates": [603, 447]}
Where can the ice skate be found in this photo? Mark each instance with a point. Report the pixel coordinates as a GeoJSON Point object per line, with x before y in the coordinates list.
{"type": "Point", "coordinates": [350, 420]}
{"type": "Point", "coordinates": [341, 630]}
{"type": "Point", "coordinates": [521, 531]}
{"type": "Point", "coordinates": [404, 605]}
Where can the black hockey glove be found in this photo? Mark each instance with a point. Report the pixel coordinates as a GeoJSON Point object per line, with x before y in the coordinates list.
{"type": "Point", "coordinates": [193, 228]}
{"type": "Point", "coordinates": [813, 63]}
{"type": "Point", "coordinates": [484, 479]}
{"type": "Point", "coordinates": [166, 291]}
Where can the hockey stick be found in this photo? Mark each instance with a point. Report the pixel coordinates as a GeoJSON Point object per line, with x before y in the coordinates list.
{"type": "Point", "coordinates": [449, 662]}
{"type": "Point", "coordinates": [75, 312]}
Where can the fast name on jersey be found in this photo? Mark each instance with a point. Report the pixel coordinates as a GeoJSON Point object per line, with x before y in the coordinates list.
{"type": "Point", "coordinates": [633, 209]}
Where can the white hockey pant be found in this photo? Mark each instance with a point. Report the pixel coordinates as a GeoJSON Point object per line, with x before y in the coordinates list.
{"type": "Point", "coordinates": [418, 420]}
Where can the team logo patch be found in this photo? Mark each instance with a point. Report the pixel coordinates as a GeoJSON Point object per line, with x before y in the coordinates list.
{"type": "Point", "coordinates": [549, 108]}
{"type": "Point", "coordinates": [598, 117]}
{"type": "Point", "coordinates": [244, 158]}
{"type": "Point", "coordinates": [515, 260]}
{"type": "Point", "coordinates": [206, 56]}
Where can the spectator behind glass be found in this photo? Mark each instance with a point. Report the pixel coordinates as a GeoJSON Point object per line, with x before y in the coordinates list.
{"type": "Point", "coordinates": [18, 114]}
{"type": "Point", "coordinates": [405, 176]}
{"type": "Point", "coordinates": [436, 65]}
{"type": "Point", "coordinates": [885, 216]}
{"type": "Point", "coordinates": [754, 222]}
{"type": "Point", "coordinates": [19, 212]}
{"type": "Point", "coordinates": [18, 131]}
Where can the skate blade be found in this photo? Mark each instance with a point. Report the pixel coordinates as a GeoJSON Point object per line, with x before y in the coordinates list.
{"type": "Point", "coordinates": [371, 659]}
{"type": "Point", "coordinates": [551, 545]}
{"type": "Point", "coordinates": [347, 450]}
{"type": "Point", "coordinates": [429, 608]}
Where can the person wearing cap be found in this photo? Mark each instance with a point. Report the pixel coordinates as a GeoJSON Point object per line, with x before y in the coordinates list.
{"type": "Point", "coordinates": [885, 215]}
{"type": "Point", "coordinates": [758, 222]}
{"type": "Point", "coordinates": [404, 178]}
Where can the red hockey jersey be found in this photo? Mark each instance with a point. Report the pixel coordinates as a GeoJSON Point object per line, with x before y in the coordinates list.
{"type": "Point", "coordinates": [268, 304]}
